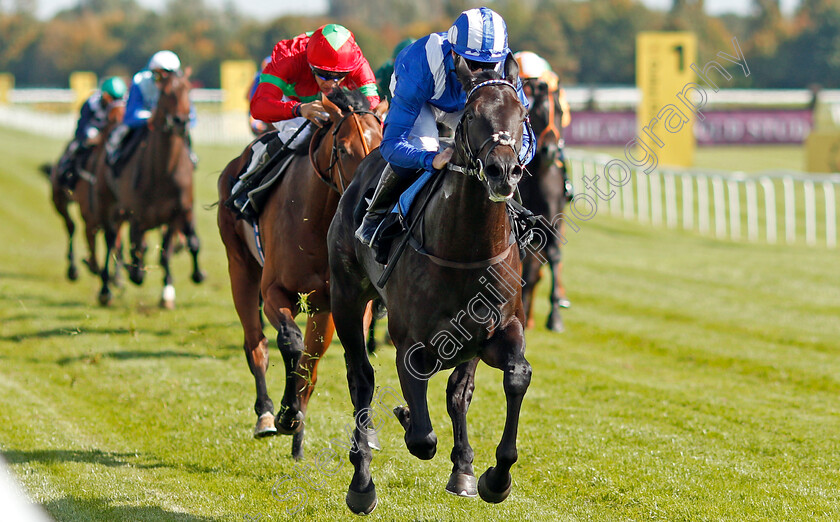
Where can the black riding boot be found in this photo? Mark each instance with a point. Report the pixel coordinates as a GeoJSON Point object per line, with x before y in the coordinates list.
{"type": "Point", "coordinates": [390, 186]}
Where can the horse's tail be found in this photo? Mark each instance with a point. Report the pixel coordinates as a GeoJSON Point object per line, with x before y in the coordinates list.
{"type": "Point", "coordinates": [46, 168]}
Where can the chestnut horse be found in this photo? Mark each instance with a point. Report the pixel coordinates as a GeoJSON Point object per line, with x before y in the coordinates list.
{"type": "Point", "coordinates": [543, 193]}
{"type": "Point", "coordinates": [443, 309]}
{"type": "Point", "coordinates": [294, 277]}
{"type": "Point", "coordinates": [155, 189]}
{"type": "Point", "coordinates": [89, 193]}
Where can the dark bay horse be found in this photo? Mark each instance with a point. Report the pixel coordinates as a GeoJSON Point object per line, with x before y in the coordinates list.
{"type": "Point", "coordinates": [89, 192]}
{"type": "Point", "coordinates": [543, 193]}
{"type": "Point", "coordinates": [295, 275]}
{"type": "Point", "coordinates": [444, 308]}
{"type": "Point", "coordinates": [155, 189]}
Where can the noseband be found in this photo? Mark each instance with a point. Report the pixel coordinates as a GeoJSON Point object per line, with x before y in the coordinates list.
{"type": "Point", "coordinates": [328, 175]}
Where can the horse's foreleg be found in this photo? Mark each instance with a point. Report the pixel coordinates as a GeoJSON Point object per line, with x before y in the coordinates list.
{"type": "Point", "coordinates": [506, 352]}
{"type": "Point", "coordinates": [348, 308]}
{"type": "Point", "coordinates": [459, 392]}
{"type": "Point", "coordinates": [90, 237]}
{"type": "Point", "coordinates": [136, 271]}
{"type": "Point", "coordinates": [194, 246]}
{"type": "Point", "coordinates": [110, 239]}
{"type": "Point", "coordinates": [420, 438]}
{"type": "Point", "coordinates": [278, 309]}
{"type": "Point", "coordinates": [319, 334]}
{"type": "Point", "coordinates": [167, 298]}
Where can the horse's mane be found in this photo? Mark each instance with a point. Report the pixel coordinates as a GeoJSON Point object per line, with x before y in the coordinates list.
{"type": "Point", "coordinates": [349, 100]}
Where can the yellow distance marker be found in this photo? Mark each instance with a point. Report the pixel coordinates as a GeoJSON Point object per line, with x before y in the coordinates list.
{"type": "Point", "coordinates": [670, 97]}
{"type": "Point", "coordinates": [237, 76]}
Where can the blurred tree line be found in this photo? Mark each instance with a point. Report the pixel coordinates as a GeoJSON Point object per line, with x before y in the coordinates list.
{"type": "Point", "coordinates": [587, 42]}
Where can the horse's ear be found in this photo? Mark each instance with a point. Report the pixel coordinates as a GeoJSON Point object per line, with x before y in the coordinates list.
{"type": "Point", "coordinates": [333, 109]}
{"type": "Point", "coordinates": [511, 69]}
{"type": "Point", "coordinates": [382, 108]}
{"type": "Point", "coordinates": [463, 72]}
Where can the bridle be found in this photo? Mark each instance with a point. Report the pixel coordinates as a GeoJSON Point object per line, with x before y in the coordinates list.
{"type": "Point", "coordinates": [475, 164]}
{"type": "Point", "coordinates": [328, 175]}
{"type": "Point", "coordinates": [174, 123]}
{"type": "Point", "coordinates": [551, 126]}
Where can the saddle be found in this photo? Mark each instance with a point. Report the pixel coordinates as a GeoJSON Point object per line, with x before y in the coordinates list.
{"type": "Point", "coordinates": [253, 187]}
{"type": "Point", "coordinates": [401, 222]}
{"type": "Point", "coordinates": [129, 146]}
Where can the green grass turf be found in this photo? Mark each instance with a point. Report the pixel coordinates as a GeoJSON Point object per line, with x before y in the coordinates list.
{"type": "Point", "coordinates": [697, 380]}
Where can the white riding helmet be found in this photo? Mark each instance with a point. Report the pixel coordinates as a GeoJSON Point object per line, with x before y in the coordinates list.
{"type": "Point", "coordinates": [166, 60]}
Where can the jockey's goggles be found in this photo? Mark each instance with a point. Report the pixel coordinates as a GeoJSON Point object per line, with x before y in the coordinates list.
{"type": "Point", "coordinates": [329, 76]}
{"type": "Point", "coordinates": [160, 74]}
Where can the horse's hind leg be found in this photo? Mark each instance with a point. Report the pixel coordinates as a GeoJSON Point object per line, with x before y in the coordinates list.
{"type": "Point", "coordinates": [319, 334]}
{"type": "Point", "coordinates": [506, 352]}
{"type": "Point", "coordinates": [60, 201]}
{"type": "Point", "coordinates": [348, 313]}
{"type": "Point", "coordinates": [459, 392]}
{"type": "Point", "coordinates": [245, 275]}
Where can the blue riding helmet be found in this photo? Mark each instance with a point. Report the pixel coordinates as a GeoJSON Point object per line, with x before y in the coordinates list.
{"type": "Point", "coordinates": [480, 34]}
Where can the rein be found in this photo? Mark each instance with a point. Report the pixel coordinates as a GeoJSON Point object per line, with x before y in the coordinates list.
{"type": "Point", "coordinates": [327, 176]}
{"type": "Point", "coordinates": [551, 127]}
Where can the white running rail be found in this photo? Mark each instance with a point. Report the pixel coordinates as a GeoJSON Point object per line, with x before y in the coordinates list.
{"type": "Point", "coordinates": [729, 205]}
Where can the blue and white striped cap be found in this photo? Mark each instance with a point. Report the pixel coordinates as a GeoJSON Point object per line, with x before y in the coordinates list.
{"type": "Point", "coordinates": [480, 34]}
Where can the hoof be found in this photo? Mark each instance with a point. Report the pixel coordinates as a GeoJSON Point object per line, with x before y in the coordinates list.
{"type": "Point", "coordinates": [297, 445]}
{"type": "Point", "coordinates": [72, 273]}
{"type": "Point", "coordinates": [265, 426]}
{"type": "Point", "coordinates": [361, 503]}
{"type": "Point", "coordinates": [136, 277]}
{"type": "Point", "coordinates": [198, 276]}
{"type": "Point", "coordinates": [288, 426]}
{"type": "Point", "coordinates": [487, 494]}
{"type": "Point", "coordinates": [462, 485]}
{"type": "Point", "coordinates": [555, 323]}
{"type": "Point", "coordinates": [167, 297]}
{"type": "Point", "coordinates": [105, 298]}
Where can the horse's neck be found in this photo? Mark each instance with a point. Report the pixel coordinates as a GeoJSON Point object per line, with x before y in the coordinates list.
{"type": "Point", "coordinates": [164, 152]}
{"type": "Point", "coordinates": [462, 223]}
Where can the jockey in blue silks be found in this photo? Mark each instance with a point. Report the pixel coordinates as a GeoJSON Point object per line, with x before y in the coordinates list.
{"type": "Point", "coordinates": [426, 91]}
{"type": "Point", "coordinates": [143, 97]}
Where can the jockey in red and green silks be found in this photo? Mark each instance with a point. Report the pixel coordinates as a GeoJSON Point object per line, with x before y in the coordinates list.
{"type": "Point", "coordinates": [304, 67]}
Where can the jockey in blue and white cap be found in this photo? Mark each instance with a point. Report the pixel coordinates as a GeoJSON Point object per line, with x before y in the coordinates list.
{"type": "Point", "coordinates": [426, 91]}
{"type": "Point", "coordinates": [143, 97]}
